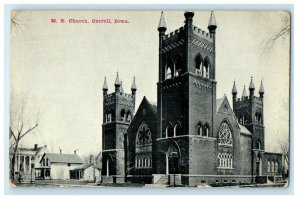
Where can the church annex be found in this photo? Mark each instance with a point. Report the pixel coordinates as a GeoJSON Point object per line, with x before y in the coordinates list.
{"type": "Point", "coordinates": [187, 132]}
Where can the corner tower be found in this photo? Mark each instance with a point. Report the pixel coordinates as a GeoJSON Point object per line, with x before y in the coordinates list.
{"type": "Point", "coordinates": [118, 110]}
{"type": "Point", "coordinates": [249, 111]}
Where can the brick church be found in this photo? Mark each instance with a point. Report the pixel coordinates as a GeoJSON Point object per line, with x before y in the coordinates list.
{"type": "Point", "coordinates": [189, 136]}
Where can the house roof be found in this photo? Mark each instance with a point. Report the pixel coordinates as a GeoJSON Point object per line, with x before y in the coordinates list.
{"type": "Point", "coordinates": [63, 158]}
{"type": "Point", "coordinates": [219, 102]}
{"type": "Point", "coordinates": [31, 151]}
{"type": "Point", "coordinates": [85, 166]}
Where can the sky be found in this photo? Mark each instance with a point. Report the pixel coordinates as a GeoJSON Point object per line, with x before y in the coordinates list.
{"type": "Point", "coordinates": [60, 68]}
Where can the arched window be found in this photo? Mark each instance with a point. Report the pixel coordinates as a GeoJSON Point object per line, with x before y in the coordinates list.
{"type": "Point", "coordinates": [177, 129]}
{"type": "Point", "coordinates": [225, 135]}
{"type": "Point", "coordinates": [169, 130]}
{"type": "Point", "coordinates": [178, 65]}
{"type": "Point", "coordinates": [123, 114]}
{"type": "Point", "coordinates": [169, 69]}
{"type": "Point", "coordinates": [276, 167]}
{"type": "Point", "coordinates": [143, 136]}
{"type": "Point", "coordinates": [206, 67]}
{"type": "Point", "coordinates": [199, 65]}
{"type": "Point", "coordinates": [108, 116]}
{"type": "Point", "coordinates": [205, 130]}
{"type": "Point", "coordinates": [128, 116]}
{"type": "Point", "coordinates": [199, 128]}
{"type": "Point", "coordinates": [169, 73]}
{"type": "Point", "coordinates": [269, 167]}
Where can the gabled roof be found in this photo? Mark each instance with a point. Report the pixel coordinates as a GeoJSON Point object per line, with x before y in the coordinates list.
{"type": "Point", "coordinates": [224, 106]}
{"type": "Point", "coordinates": [244, 130]}
{"type": "Point", "coordinates": [63, 158]}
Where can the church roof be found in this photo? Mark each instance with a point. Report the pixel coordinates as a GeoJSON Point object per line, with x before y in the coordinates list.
{"type": "Point", "coordinates": [244, 130]}
{"type": "Point", "coordinates": [153, 105]}
{"type": "Point", "coordinates": [219, 102]}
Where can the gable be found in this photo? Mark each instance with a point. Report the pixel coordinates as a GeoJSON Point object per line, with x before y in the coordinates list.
{"type": "Point", "coordinates": [223, 106]}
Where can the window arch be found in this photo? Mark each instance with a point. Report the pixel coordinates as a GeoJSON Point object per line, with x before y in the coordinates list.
{"type": "Point", "coordinates": [269, 167]}
{"type": "Point", "coordinates": [206, 67]}
{"type": "Point", "coordinates": [178, 65]}
{"type": "Point", "coordinates": [177, 129]}
{"type": "Point", "coordinates": [199, 64]}
{"type": "Point", "coordinates": [169, 130]}
{"type": "Point", "coordinates": [199, 128]}
{"type": "Point", "coordinates": [143, 136]}
{"type": "Point", "coordinates": [258, 118]}
{"type": "Point", "coordinates": [225, 134]}
{"type": "Point", "coordinates": [169, 69]}
{"type": "Point", "coordinates": [205, 130]}
{"type": "Point", "coordinates": [123, 115]}
{"type": "Point", "coordinates": [108, 116]}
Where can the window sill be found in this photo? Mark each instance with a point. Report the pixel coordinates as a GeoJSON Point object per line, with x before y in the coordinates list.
{"type": "Point", "coordinates": [225, 168]}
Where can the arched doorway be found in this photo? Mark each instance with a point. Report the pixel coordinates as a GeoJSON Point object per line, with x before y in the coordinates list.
{"type": "Point", "coordinates": [172, 160]}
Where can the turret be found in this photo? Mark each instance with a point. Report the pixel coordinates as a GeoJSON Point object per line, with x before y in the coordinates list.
{"type": "Point", "coordinates": [261, 90]}
{"type": "Point", "coordinates": [105, 87]}
{"type": "Point", "coordinates": [251, 87]}
{"type": "Point", "coordinates": [117, 83]}
{"type": "Point", "coordinates": [212, 24]}
{"type": "Point", "coordinates": [234, 92]}
{"type": "Point", "coordinates": [133, 87]}
{"type": "Point", "coordinates": [162, 27]}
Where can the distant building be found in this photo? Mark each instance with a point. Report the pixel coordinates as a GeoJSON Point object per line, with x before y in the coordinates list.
{"type": "Point", "coordinates": [27, 159]}
{"type": "Point", "coordinates": [57, 166]}
{"type": "Point", "coordinates": [87, 172]}
{"type": "Point", "coordinates": [189, 132]}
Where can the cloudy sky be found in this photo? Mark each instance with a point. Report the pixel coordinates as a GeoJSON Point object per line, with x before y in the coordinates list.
{"type": "Point", "coordinates": [60, 68]}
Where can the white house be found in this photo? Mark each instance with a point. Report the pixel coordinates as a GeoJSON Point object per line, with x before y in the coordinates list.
{"type": "Point", "coordinates": [57, 166]}
{"type": "Point", "coordinates": [27, 159]}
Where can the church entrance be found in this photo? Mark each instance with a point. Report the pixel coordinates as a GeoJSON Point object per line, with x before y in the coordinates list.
{"type": "Point", "coordinates": [172, 160]}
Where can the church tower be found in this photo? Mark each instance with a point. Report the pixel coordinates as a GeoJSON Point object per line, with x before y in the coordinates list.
{"type": "Point", "coordinates": [249, 111]}
{"type": "Point", "coordinates": [186, 91]}
{"type": "Point", "coordinates": [118, 110]}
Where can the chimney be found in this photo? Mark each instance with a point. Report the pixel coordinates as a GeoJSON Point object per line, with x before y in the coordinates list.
{"type": "Point", "coordinates": [35, 146]}
{"type": "Point", "coordinates": [74, 151]}
{"type": "Point", "coordinates": [60, 150]}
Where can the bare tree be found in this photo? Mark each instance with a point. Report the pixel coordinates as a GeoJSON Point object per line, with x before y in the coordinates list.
{"type": "Point", "coordinates": [22, 123]}
{"type": "Point", "coordinates": [280, 33]}
{"type": "Point", "coordinates": [285, 150]}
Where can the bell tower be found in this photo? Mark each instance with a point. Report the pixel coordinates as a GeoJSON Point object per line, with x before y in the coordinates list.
{"type": "Point", "coordinates": [186, 95]}
{"type": "Point", "coordinates": [118, 110]}
{"type": "Point", "coordinates": [187, 85]}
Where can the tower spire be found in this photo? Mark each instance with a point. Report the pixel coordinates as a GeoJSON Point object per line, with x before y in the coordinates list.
{"type": "Point", "coordinates": [105, 87]}
{"type": "Point", "coordinates": [212, 24]}
{"type": "Point", "coordinates": [133, 87]}
{"type": "Point", "coordinates": [244, 95]}
{"type": "Point", "coordinates": [234, 90]}
{"type": "Point", "coordinates": [162, 23]}
{"type": "Point", "coordinates": [251, 87]}
{"type": "Point", "coordinates": [117, 83]}
{"type": "Point", "coordinates": [261, 89]}
{"type": "Point", "coordinates": [121, 87]}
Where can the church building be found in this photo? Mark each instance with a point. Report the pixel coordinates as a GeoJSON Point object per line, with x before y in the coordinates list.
{"type": "Point", "coordinates": [188, 136]}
